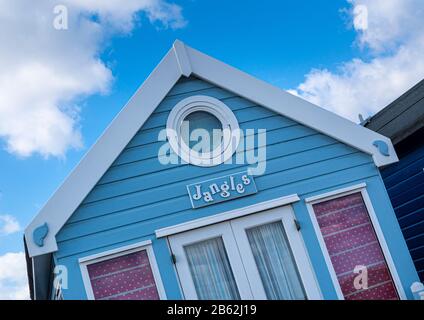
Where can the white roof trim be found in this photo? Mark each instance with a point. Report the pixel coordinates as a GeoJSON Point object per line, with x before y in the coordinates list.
{"type": "Point", "coordinates": [182, 60]}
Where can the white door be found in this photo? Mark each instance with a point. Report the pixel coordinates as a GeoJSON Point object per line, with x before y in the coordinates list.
{"type": "Point", "coordinates": [260, 256]}
{"type": "Point", "coordinates": [209, 264]}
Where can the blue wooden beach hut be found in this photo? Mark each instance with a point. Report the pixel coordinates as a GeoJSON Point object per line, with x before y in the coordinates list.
{"type": "Point", "coordinates": [286, 203]}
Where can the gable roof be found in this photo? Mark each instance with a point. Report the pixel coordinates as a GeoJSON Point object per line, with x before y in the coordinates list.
{"type": "Point", "coordinates": [182, 60]}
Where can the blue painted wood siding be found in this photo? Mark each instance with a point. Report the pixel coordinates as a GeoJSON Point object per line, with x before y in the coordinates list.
{"type": "Point", "coordinates": [405, 184]}
{"type": "Point", "coordinates": [138, 195]}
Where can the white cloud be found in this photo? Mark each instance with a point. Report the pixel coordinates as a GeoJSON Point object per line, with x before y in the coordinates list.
{"type": "Point", "coordinates": [394, 37]}
{"type": "Point", "coordinates": [13, 277]}
{"type": "Point", "coordinates": [121, 14]}
{"type": "Point", "coordinates": [8, 225]}
{"type": "Point", "coordinates": [45, 72]}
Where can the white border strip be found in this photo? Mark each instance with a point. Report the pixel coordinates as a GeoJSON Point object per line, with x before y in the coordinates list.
{"type": "Point", "coordinates": [375, 223]}
{"type": "Point", "coordinates": [114, 251]}
{"type": "Point", "coordinates": [182, 58]}
{"type": "Point", "coordinates": [337, 193]}
{"type": "Point", "coordinates": [198, 223]}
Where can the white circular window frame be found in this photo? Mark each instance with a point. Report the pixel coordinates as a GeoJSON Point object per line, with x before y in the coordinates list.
{"type": "Point", "coordinates": [217, 108]}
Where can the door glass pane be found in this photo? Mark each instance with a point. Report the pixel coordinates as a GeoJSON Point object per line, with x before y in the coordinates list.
{"type": "Point", "coordinates": [211, 270]}
{"type": "Point", "coordinates": [354, 249]}
{"type": "Point", "coordinates": [275, 262]}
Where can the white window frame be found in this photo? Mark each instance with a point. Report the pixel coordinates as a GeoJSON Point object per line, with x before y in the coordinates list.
{"type": "Point", "coordinates": [217, 108]}
{"type": "Point", "coordinates": [110, 254]}
{"type": "Point", "coordinates": [310, 201]}
{"type": "Point", "coordinates": [233, 234]}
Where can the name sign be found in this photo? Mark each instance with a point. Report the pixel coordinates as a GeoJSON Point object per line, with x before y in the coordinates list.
{"type": "Point", "coordinates": [221, 189]}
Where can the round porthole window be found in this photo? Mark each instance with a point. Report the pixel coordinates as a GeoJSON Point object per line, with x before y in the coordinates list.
{"type": "Point", "coordinates": [203, 131]}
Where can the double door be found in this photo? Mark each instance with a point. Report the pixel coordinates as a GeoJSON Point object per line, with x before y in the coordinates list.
{"type": "Point", "coordinates": [260, 256]}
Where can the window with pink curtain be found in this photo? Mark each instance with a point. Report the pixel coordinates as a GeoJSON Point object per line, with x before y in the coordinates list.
{"type": "Point", "coordinates": [351, 241]}
{"type": "Point", "coordinates": [127, 277]}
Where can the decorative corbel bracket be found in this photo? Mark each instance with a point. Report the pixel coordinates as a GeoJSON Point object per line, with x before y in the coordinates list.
{"type": "Point", "coordinates": [382, 147]}
{"type": "Point", "coordinates": [39, 234]}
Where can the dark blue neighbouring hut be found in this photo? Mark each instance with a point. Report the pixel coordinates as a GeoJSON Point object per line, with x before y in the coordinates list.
{"type": "Point", "coordinates": [403, 122]}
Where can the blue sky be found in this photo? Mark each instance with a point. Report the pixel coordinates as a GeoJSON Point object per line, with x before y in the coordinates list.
{"type": "Point", "coordinates": [314, 48]}
{"type": "Point", "coordinates": [280, 46]}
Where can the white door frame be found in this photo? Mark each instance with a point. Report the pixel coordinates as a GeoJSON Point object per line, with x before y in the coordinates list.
{"type": "Point", "coordinates": [295, 243]}
{"type": "Point", "coordinates": [229, 231]}
{"type": "Point", "coordinates": [223, 230]}
{"type": "Point", "coordinates": [227, 215]}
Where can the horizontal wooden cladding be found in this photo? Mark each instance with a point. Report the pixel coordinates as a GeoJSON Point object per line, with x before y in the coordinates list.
{"type": "Point", "coordinates": [148, 177]}
{"type": "Point", "coordinates": [154, 204]}
{"type": "Point", "coordinates": [406, 168]}
{"type": "Point", "coordinates": [189, 86]}
{"type": "Point", "coordinates": [405, 185]}
{"type": "Point", "coordinates": [90, 241]}
{"type": "Point", "coordinates": [138, 195]}
{"type": "Point", "coordinates": [311, 160]}
{"type": "Point", "coordinates": [243, 115]}
{"type": "Point", "coordinates": [150, 136]}
{"type": "Point", "coordinates": [233, 101]}
{"type": "Point", "coordinates": [152, 164]}
{"type": "Point", "coordinates": [148, 151]}
{"type": "Point", "coordinates": [174, 173]}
